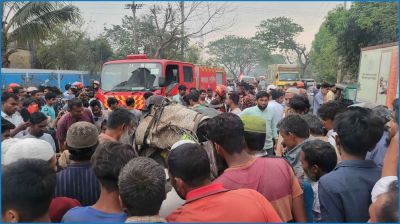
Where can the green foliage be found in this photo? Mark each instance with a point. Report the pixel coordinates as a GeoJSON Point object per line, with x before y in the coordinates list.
{"type": "Point", "coordinates": [71, 49]}
{"type": "Point", "coordinates": [236, 54]}
{"type": "Point", "coordinates": [32, 21]}
{"type": "Point", "coordinates": [345, 32]}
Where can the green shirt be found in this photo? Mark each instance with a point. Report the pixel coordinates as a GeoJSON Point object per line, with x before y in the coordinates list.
{"type": "Point", "coordinates": [49, 111]}
{"type": "Point", "coordinates": [268, 115]}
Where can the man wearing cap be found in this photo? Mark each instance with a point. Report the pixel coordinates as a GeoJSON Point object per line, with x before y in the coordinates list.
{"type": "Point", "coordinates": [254, 134]}
{"type": "Point", "coordinates": [76, 112]}
{"type": "Point", "coordinates": [78, 180]}
{"type": "Point", "coordinates": [178, 97]}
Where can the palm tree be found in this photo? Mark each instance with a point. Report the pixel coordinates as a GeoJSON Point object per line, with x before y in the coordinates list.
{"type": "Point", "coordinates": [31, 21]}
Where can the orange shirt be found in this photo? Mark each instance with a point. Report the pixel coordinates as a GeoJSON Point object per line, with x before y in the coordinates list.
{"type": "Point", "coordinates": [214, 203]}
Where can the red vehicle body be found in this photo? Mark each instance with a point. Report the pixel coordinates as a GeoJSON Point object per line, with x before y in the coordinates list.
{"type": "Point", "coordinates": [137, 74]}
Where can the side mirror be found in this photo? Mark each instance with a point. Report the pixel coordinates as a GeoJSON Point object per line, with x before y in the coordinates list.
{"type": "Point", "coordinates": [161, 81]}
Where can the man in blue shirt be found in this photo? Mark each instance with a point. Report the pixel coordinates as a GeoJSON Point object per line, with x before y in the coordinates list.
{"type": "Point", "coordinates": [181, 92]}
{"type": "Point", "coordinates": [107, 161]}
{"type": "Point", "coordinates": [263, 111]}
{"type": "Point", "coordinates": [345, 193]}
{"type": "Point", "coordinates": [48, 109]}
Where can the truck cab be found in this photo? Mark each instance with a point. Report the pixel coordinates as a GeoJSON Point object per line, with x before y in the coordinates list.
{"type": "Point", "coordinates": [283, 74]}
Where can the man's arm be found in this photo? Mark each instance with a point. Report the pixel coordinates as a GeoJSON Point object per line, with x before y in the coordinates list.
{"type": "Point", "coordinates": [22, 126]}
{"type": "Point", "coordinates": [391, 161]}
{"type": "Point", "coordinates": [299, 211]}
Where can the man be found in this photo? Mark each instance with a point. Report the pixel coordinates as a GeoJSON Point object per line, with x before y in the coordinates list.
{"type": "Point", "coordinates": [107, 161]}
{"type": "Point", "coordinates": [261, 109]}
{"type": "Point", "coordinates": [48, 109]}
{"type": "Point", "coordinates": [9, 111]}
{"type": "Point", "coordinates": [327, 113]}
{"type": "Point", "coordinates": [272, 177]}
{"type": "Point", "coordinates": [181, 92]}
{"type": "Point", "coordinates": [330, 96]}
{"type": "Point", "coordinates": [254, 134]}
{"type": "Point", "coordinates": [99, 116]}
{"type": "Point", "coordinates": [233, 103]}
{"type": "Point", "coordinates": [350, 184]}
{"type": "Point", "coordinates": [193, 100]}
{"type": "Point", "coordinates": [320, 97]}
{"type": "Point", "coordinates": [142, 197]}
{"type": "Point", "coordinates": [68, 90]}
{"type": "Point", "coordinates": [203, 96]}
{"type": "Point", "coordinates": [6, 128]}
{"type": "Point", "coordinates": [27, 190]}
{"type": "Point", "coordinates": [385, 208]}
{"type": "Point", "coordinates": [38, 127]}
{"type": "Point", "coordinates": [189, 169]}
{"type": "Point", "coordinates": [120, 125]}
{"type": "Point", "coordinates": [130, 105]}
{"type": "Point", "coordinates": [76, 112]}
{"type": "Point", "coordinates": [112, 103]}
{"type": "Point", "coordinates": [295, 132]}
{"type": "Point", "coordinates": [317, 159]}
{"type": "Point", "coordinates": [78, 180]}
{"type": "Point", "coordinates": [209, 97]}
{"type": "Point", "coordinates": [299, 104]}
{"type": "Point", "coordinates": [275, 104]}
{"type": "Point", "coordinates": [289, 94]}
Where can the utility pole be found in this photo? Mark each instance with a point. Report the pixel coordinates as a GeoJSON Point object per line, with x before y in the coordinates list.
{"type": "Point", "coordinates": [182, 6]}
{"type": "Point", "coordinates": [134, 7]}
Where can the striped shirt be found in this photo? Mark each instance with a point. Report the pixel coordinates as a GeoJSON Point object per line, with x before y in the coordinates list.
{"type": "Point", "coordinates": [78, 181]}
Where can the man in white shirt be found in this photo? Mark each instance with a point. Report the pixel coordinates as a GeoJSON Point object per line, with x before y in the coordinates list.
{"type": "Point", "coordinates": [38, 127]}
{"type": "Point", "coordinates": [327, 113]}
{"type": "Point", "coordinates": [275, 104]}
{"type": "Point", "coordinates": [9, 111]}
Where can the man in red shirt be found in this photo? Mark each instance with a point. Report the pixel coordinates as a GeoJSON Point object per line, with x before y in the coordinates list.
{"type": "Point", "coordinates": [76, 112]}
{"type": "Point", "coordinates": [272, 177]}
{"type": "Point", "coordinates": [189, 169]}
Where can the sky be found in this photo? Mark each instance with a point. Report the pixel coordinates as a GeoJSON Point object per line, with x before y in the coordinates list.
{"type": "Point", "coordinates": [245, 16]}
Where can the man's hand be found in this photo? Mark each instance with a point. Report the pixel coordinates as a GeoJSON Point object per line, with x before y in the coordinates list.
{"type": "Point", "coordinates": [22, 126]}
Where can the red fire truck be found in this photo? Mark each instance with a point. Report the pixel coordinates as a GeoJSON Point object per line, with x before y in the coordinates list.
{"type": "Point", "coordinates": [137, 74]}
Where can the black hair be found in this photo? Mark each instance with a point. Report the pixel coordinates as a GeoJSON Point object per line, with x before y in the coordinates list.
{"type": "Point", "coordinates": [209, 90]}
{"type": "Point", "coordinates": [300, 104]}
{"type": "Point", "coordinates": [108, 160]}
{"type": "Point", "coordinates": [28, 101]}
{"type": "Point", "coordinates": [234, 97]}
{"type": "Point", "coordinates": [130, 101]}
{"type": "Point", "coordinates": [296, 125]}
{"type": "Point", "coordinates": [359, 130]}
{"type": "Point", "coordinates": [314, 123]}
{"type": "Point", "coordinates": [389, 212]}
{"type": "Point", "coordinates": [37, 117]}
{"type": "Point", "coordinates": [81, 154]}
{"type": "Point", "coordinates": [185, 99]}
{"type": "Point", "coordinates": [142, 186]}
{"type": "Point", "coordinates": [56, 90]}
{"type": "Point", "coordinates": [146, 95]}
{"type": "Point", "coordinates": [329, 110]}
{"type": "Point", "coordinates": [112, 101]}
{"type": "Point", "coordinates": [6, 125]}
{"type": "Point", "coordinates": [275, 93]}
{"type": "Point", "coordinates": [255, 141]}
{"type": "Point", "coordinates": [34, 92]}
{"type": "Point", "coordinates": [67, 86]}
{"type": "Point", "coordinates": [16, 89]}
{"type": "Point", "coordinates": [325, 85]}
{"type": "Point", "coordinates": [6, 95]}
{"type": "Point", "coordinates": [182, 87]}
{"type": "Point", "coordinates": [320, 153]}
{"type": "Point", "coordinates": [192, 89]}
{"type": "Point", "coordinates": [28, 187]}
{"type": "Point", "coordinates": [189, 162]}
{"type": "Point", "coordinates": [262, 94]}
{"type": "Point", "coordinates": [75, 102]}
{"type": "Point", "coordinates": [227, 130]}
{"type": "Point", "coordinates": [94, 103]}
{"type": "Point", "coordinates": [202, 91]}
{"type": "Point", "coordinates": [119, 117]}
{"type": "Point", "coordinates": [194, 96]}
{"type": "Point", "coordinates": [50, 95]}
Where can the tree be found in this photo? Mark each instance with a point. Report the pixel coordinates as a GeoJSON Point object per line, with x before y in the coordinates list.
{"type": "Point", "coordinates": [279, 34]}
{"type": "Point", "coordinates": [70, 48]}
{"type": "Point", "coordinates": [160, 31]}
{"type": "Point", "coordinates": [345, 32]}
{"type": "Point", "coordinates": [193, 55]}
{"type": "Point", "coordinates": [31, 21]}
{"type": "Point", "coordinates": [237, 54]}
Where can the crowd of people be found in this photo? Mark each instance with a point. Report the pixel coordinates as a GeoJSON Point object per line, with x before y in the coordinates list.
{"type": "Point", "coordinates": [281, 157]}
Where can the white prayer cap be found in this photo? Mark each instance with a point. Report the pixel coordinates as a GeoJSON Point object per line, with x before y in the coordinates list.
{"type": "Point", "coordinates": [29, 148]}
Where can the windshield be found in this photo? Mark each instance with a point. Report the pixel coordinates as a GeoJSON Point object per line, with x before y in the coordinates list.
{"type": "Point", "coordinates": [129, 77]}
{"type": "Point", "coordinates": [288, 76]}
